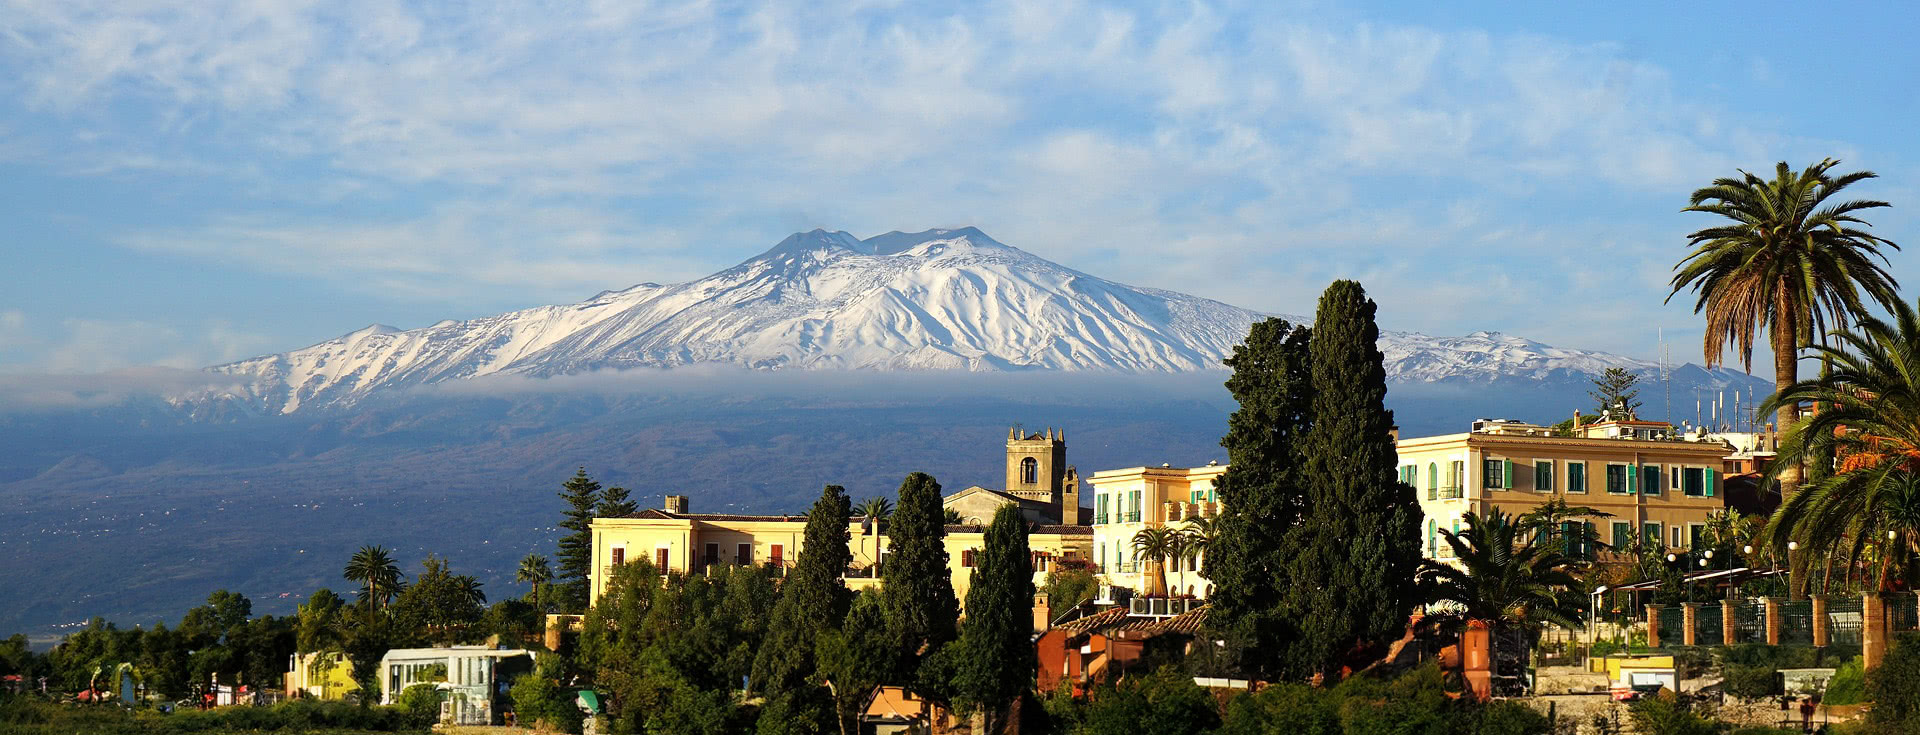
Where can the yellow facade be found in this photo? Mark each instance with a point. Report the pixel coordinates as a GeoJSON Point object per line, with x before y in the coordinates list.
{"type": "Point", "coordinates": [690, 542]}
{"type": "Point", "coordinates": [1652, 485]}
{"type": "Point", "coordinates": [304, 678]}
{"type": "Point", "coordinates": [1127, 501]}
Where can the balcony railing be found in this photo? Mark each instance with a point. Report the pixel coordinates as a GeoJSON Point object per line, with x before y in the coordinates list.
{"type": "Point", "coordinates": [1100, 520]}
{"type": "Point", "coordinates": [1162, 607]}
{"type": "Point", "coordinates": [1177, 511]}
{"type": "Point", "coordinates": [1133, 517]}
{"type": "Point", "coordinates": [1449, 493]}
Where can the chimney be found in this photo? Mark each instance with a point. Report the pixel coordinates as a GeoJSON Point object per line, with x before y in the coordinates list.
{"type": "Point", "coordinates": [1395, 433]}
{"type": "Point", "coordinates": [1042, 613]}
{"type": "Point", "coordinates": [676, 504]}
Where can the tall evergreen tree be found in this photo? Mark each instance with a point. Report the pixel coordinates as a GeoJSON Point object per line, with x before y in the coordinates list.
{"type": "Point", "coordinates": [998, 663]}
{"type": "Point", "coordinates": [614, 503]}
{"type": "Point", "coordinates": [576, 547]}
{"type": "Point", "coordinates": [1260, 495]}
{"type": "Point", "coordinates": [918, 595]}
{"type": "Point", "coordinates": [812, 599]}
{"type": "Point", "coordinates": [1358, 549]}
{"type": "Point", "coordinates": [1615, 390]}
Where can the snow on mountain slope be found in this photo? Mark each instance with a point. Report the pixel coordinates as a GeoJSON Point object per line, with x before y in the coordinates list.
{"type": "Point", "coordinates": [940, 299]}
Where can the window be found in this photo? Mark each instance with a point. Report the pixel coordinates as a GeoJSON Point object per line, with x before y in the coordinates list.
{"type": "Point", "coordinates": [1029, 471]}
{"type": "Point", "coordinates": [1650, 480]}
{"type": "Point", "coordinates": [660, 559]}
{"type": "Point", "coordinates": [743, 555]}
{"type": "Point", "coordinates": [1458, 475]}
{"type": "Point", "coordinates": [1576, 477]}
{"type": "Point", "coordinates": [1622, 536]}
{"type": "Point", "coordinates": [1676, 537]}
{"type": "Point", "coordinates": [1693, 481]}
{"type": "Point", "coordinates": [777, 557]}
{"type": "Point", "coordinates": [1694, 532]}
{"type": "Point", "coordinates": [1617, 480]}
{"type": "Point", "coordinates": [1102, 561]}
{"type": "Point", "coordinates": [1495, 473]}
{"type": "Point", "coordinates": [1543, 477]}
{"type": "Point", "coordinates": [966, 558]}
{"type": "Point", "coordinates": [1433, 481]}
{"type": "Point", "coordinates": [619, 556]}
{"type": "Point", "coordinates": [1100, 508]}
{"type": "Point", "coordinates": [1433, 538]}
{"type": "Point", "coordinates": [1651, 531]}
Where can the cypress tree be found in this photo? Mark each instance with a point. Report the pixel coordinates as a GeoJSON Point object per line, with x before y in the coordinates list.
{"type": "Point", "coordinates": [576, 547]}
{"type": "Point", "coordinates": [1352, 571]}
{"type": "Point", "coordinates": [813, 598]}
{"type": "Point", "coordinates": [918, 595]}
{"type": "Point", "coordinates": [998, 662]}
{"type": "Point", "coordinates": [614, 503]}
{"type": "Point", "coordinates": [1261, 500]}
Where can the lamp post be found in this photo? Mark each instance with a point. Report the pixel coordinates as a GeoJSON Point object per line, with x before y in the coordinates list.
{"type": "Point", "coordinates": [1792, 590]}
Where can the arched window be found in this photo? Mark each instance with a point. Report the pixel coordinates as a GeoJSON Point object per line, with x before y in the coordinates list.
{"type": "Point", "coordinates": [1029, 471]}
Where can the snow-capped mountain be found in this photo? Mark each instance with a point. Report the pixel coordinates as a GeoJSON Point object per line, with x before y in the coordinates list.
{"type": "Point", "coordinates": [939, 299]}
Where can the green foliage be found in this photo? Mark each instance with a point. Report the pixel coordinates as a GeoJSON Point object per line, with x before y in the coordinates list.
{"type": "Point", "coordinates": [1511, 717]}
{"type": "Point", "coordinates": [918, 596]}
{"type": "Point", "coordinates": [1419, 701]}
{"type": "Point", "coordinates": [535, 572]}
{"type": "Point", "coordinates": [997, 662]}
{"type": "Point", "coordinates": [538, 698]}
{"type": "Point", "coordinates": [379, 577]}
{"type": "Point", "coordinates": [1069, 587]}
{"type": "Point", "coordinates": [1848, 685]}
{"type": "Point", "coordinates": [575, 557]}
{"type": "Point", "coordinates": [1165, 702]}
{"type": "Point", "coordinates": [28, 716]}
{"type": "Point", "coordinates": [1663, 716]}
{"type": "Point", "coordinates": [422, 703]}
{"type": "Point", "coordinates": [1750, 682]}
{"type": "Point", "coordinates": [1358, 548]}
{"type": "Point", "coordinates": [813, 598]}
{"type": "Point", "coordinates": [1614, 392]}
{"type": "Point", "coordinates": [1503, 576]}
{"type": "Point", "coordinates": [614, 503]}
{"type": "Point", "coordinates": [1261, 497]}
{"type": "Point", "coordinates": [856, 658]}
{"type": "Point", "coordinates": [441, 605]}
{"type": "Point", "coordinates": [1894, 688]}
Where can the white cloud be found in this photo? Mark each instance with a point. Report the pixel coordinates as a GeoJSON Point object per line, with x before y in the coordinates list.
{"type": "Point", "coordinates": [1183, 145]}
{"type": "Point", "coordinates": [72, 345]}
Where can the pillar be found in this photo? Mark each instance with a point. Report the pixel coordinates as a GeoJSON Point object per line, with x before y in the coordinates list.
{"type": "Point", "coordinates": [1819, 620]}
{"type": "Point", "coordinates": [1653, 626]}
{"type": "Point", "coordinates": [552, 638]}
{"type": "Point", "coordinates": [1689, 612]}
{"type": "Point", "coordinates": [1873, 629]}
{"type": "Point", "coordinates": [1729, 623]}
{"type": "Point", "coordinates": [1774, 621]}
{"type": "Point", "coordinates": [1476, 648]}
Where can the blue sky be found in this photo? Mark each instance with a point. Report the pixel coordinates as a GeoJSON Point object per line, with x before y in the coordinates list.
{"type": "Point", "coordinates": [185, 184]}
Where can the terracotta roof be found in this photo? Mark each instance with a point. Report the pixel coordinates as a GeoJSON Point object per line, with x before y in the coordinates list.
{"type": "Point", "coordinates": [1117, 622]}
{"type": "Point", "coordinates": [1104, 618]}
{"type": "Point", "coordinates": [1050, 529]}
{"type": "Point", "coordinates": [658, 514]}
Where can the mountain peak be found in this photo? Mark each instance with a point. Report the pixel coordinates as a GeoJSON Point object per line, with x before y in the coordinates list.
{"type": "Point", "coordinates": [896, 242]}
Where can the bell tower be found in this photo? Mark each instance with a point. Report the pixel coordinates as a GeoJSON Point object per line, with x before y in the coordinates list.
{"type": "Point", "coordinates": [1036, 464]}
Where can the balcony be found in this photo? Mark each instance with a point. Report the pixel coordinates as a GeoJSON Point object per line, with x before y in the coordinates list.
{"type": "Point", "coordinates": [1100, 520]}
{"type": "Point", "coordinates": [1133, 517]}
{"type": "Point", "coordinates": [1162, 607]}
{"type": "Point", "coordinates": [1177, 512]}
{"type": "Point", "coordinates": [1450, 493]}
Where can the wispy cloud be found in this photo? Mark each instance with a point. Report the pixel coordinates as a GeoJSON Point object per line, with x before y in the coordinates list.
{"type": "Point", "coordinates": [1183, 145]}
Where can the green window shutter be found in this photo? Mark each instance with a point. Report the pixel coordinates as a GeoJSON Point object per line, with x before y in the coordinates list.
{"type": "Point", "coordinates": [1506, 474]}
{"type": "Point", "coordinates": [1631, 479]}
{"type": "Point", "coordinates": [1709, 489]}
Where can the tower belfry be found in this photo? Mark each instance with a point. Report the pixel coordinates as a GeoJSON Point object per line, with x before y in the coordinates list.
{"type": "Point", "coordinates": [1036, 464]}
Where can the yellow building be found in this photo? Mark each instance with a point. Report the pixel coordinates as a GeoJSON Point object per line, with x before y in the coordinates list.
{"type": "Point", "coordinates": [305, 678]}
{"type": "Point", "coordinates": [1654, 484]}
{"type": "Point", "coordinates": [676, 539]}
{"type": "Point", "coordinates": [1129, 500]}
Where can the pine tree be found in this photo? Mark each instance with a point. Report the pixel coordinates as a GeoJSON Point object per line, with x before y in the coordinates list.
{"type": "Point", "coordinates": [813, 598]}
{"type": "Point", "coordinates": [576, 548]}
{"type": "Point", "coordinates": [918, 595]}
{"type": "Point", "coordinates": [1614, 391]}
{"type": "Point", "coordinates": [1358, 547]}
{"type": "Point", "coordinates": [1260, 495]}
{"type": "Point", "coordinates": [997, 660]}
{"type": "Point", "coordinates": [614, 503]}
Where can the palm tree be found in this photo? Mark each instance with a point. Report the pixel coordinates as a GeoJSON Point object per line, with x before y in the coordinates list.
{"type": "Point", "coordinates": [1199, 536]}
{"type": "Point", "coordinates": [535, 572]}
{"type": "Point", "coordinates": [1503, 577]}
{"type": "Point", "coordinates": [876, 507]}
{"type": "Point", "coordinates": [1869, 418]}
{"type": "Point", "coordinates": [378, 576]}
{"type": "Point", "coordinates": [1789, 262]}
{"type": "Point", "coordinates": [1155, 544]}
{"type": "Point", "coordinates": [1548, 520]}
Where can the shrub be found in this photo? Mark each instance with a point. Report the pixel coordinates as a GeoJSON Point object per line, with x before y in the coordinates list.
{"type": "Point", "coordinates": [1751, 681]}
{"type": "Point", "coordinates": [1662, 716]}
{"type": "Point", "coordinates": [1848, 685]}
{"type": "Point", "coordinates": [1510, 717]}
{"type": "Point", "coordinates": [1894, 688]}
{"type": "Point", "coordinates": [1166, 702]}
{"type": "Point", "coordinates": [1295, 709]}
{"type": "Point", "coordinates": [421, 703]}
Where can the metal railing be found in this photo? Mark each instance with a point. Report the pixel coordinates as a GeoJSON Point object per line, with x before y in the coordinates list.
{"type": "Point", "coordinates": [1796, 622]}
{"type": "Point", "coordinates": [1843, 620]}
{"type": "Point", "coordinates": [1451, 492]}
{"type": "Point", "coordinates": [1750, 623]}
{"type": "Point", "coordinates": [1132, 517]}
{"type": "Point", "coordinates": [1707, 627]}
{"type": "Point", "coordinates": [1903, 611]}
{"type": "Point", "coordinates": [1162, 606]}
{"type": "Point", "coordinates": [1672, 619]}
